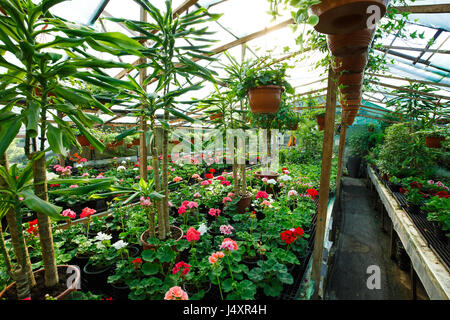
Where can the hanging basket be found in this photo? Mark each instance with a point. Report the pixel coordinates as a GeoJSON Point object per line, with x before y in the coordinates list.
{"type": "Point", "coordinates": [344, 16]}
{"type": "Point", "coordinates": [321, 121]}
{"type": "Point", "coordinates": [215, 116]}
{"type": "Point", "coordinates": [83, 141]}
{"type": "Point", "coordinates": [136, 142]}
{"type": "Point", "coordinates": [115, 144]}
{"type": "Point", "coordinates": [354, 63]}
{"type": "Point", "coordinates": [434, 142]}
{"type": "Point", "coordinates": [350, 79]}
{"type": "Point", "coordinates": [350, 44]}
{"type": "Point", "coordinates": [265, 99]}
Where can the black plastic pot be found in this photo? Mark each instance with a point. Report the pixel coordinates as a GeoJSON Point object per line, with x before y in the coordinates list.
{"type": "Point", "coordinates": [438, 232]}
{"type": "Point", "coordinates": [353, 166]}
{"type": "Point", "coordinates": [96, 279]}
{"type": "Point", "coordinates": [120, 291]}
{"type": "Point", "coordinates": [413, 208]}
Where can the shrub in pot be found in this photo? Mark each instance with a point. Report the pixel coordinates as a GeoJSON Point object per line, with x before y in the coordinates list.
{"type": "Point", "coordinates": [438, 212]}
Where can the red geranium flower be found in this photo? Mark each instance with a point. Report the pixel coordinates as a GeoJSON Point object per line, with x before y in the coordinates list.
{"type": "Point", "coordinates": [212, 170]}
{"type": "Point", "coordinates": [209, 176]}
{"type": "Point", "coordinates": [87, 212]}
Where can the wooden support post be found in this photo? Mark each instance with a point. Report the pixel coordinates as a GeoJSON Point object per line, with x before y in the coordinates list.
{"type": "Point", "coordinates": [413, 283]}
{"type": "Point", "coordinates": [143, 152]}
{"type": "Point", "coordinates": [327, 152]}
{"type": "Point", "coordinates": [342, 138]}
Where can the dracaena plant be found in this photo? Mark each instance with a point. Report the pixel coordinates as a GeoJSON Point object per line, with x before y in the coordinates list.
{"type": "Point", "coordinates": [170, 59]}
{"type": "Point", "coordinates": [35, 84]}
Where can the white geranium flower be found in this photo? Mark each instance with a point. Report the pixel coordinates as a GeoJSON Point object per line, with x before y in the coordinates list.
{"type": "Point", "coordinates": [285, 178]}
{"type": "Point", "coordinates": [120, 168]}
{"type": "Point", "coordinates": [135, 169]}
{"type": "Point", "coordinates": [102, 236]}
{"type": "Point", "coordinates": [120, 244]}
{"type": "Point", "coordinates": [51, 175]}
{"type": "Point", "coordinates": [124, 162]}
{"type": "Point", "coordinates": [202, 229]}
{"type": "Point", "coordinates": [271, 181]}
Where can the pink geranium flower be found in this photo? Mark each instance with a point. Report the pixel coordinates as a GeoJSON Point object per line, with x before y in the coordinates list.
{"type": "Point", "coordinates": [229, 245]}
{"type": "Point", "coordinates": [73, 186]}
{"type": "Point", "coordinates": [292, 193]}
{"type": "Point", "coordinates": [177, 179]}
{"type": "Point", "coordinates": [226, 199]}
{"type": "Point", "coordinates": [214, 212]}
{"type": "Point", "coordinates": [206, 182]}
{"type": "Point", "coordinates": [262, 194]}
{"type": "Point", "coordinates": [224, 229]}
{"type": "Point", "coordinates": [69, 213]}
{"type": "Point", "coordinates": [197, 195]}
{"type": "Point", "coordinates": [145, 202]}
{"type": "Point", "coordinates": [192, 234]}
{"type": "Point", "coordinates": [176, 293]}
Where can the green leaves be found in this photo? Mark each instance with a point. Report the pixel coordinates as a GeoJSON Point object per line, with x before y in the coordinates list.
{"type": "Point", "coordinates": [150, 269]}
{"type": "Point", "coordinates": [55, 139]}
{"type": "Point", "coordinates": [10, 124]}
{"type": "Point", "coordinates": [36, 204]}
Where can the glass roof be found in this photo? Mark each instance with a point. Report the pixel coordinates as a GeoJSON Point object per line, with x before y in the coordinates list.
{"type": "Point", "coordinates": [242, 18]}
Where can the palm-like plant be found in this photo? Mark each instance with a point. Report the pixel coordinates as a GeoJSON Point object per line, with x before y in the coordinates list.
{"type": "Point", "coordinates": [35, 84]}
{"type": "Point", "coordinates": [170, 60]}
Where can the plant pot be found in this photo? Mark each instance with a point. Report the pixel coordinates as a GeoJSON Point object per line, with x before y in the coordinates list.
{"type": "Point", "coordinates": [434, 142]}
{"type": "Point", "coordinates": [354, 63]}
{"type": "Point", "coordinates": [353, 166]}
{"type": "Point", "coordinates": [265, 99]}
{"type": "Point", "coordinates": [413, 208]}
{"type": "Point", "coordinates": [244, 203]}
{"type": "Point", "coordinates": [136, 142]}
{"type": "Point", "coordinates": [350, 79]}
{"type": "Point", "coordinates": [349, 44]}
{"type": "Point", "coordinates": [83, 141]}
{"type": "Point", "coordinates": [96, 278]}
{"type": "Point", "coordinates": [321, 121]}
{"type": "Point", "coordinates": [268, 175]}
{"type": "Point", "coordinates": [115, 144]}
{"type": "Point", "coordinates": [129, 145]}
{"type": "Point", "coordinates": [344, 16]}
{"type": "Point", "coordinates": [120, 291]}
{"type": "Point", "coordinates": [438, 232]}
{"type": "Point", "coordinates": [215, 116]}
{"type": "Point", "coordinates": [176, 234]}
{"type": "Point", "coordinates": [79, 261]}
{"type": "Point", "coordinates": [62, 272]}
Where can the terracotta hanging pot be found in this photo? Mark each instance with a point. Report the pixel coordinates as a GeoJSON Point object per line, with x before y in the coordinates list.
{"type": "Point", "coordinates": [344, 16]}
{"type": "Point", "coordinates": [346, 103]}
{"type": "Point", "coordinates": [434, 142]}
{"type": "Point", "coordinates": [136, 142]}
{"type": "Point", "coordinates": [215, 116]}
{"type": "Point", "coordinates": [115, 144]}
{"type": "Point", "coordinates": [354, 63]}
{"type": "Point", "coordinates": [350, 90]}
{"type": "Point", "coordinates": [321, 121]}
{"type": "Point", "coordinates": [350, 79]}
{"type": "Point", "coordinates": [350, 44]}
{"type": "Point", "coordinates": [129, 145]}
{"type": "Point", "coordinates": [349, 116]}
{"type": "Point", "coordinates": [265, 99]}
{"type": "Point", "coordinates": [244, 202]}
{"type": "Point", "coordinates": [83, 141]}
{"type": "Point", "coordinates": [350, 96]}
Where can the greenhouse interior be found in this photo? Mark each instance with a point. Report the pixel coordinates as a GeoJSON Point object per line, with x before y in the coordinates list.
{"type": "Point", "coordinates": [216, 150]}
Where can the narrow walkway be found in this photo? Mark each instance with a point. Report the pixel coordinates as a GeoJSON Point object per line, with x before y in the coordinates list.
{"type": "Point", "coordinates": [362, 243]}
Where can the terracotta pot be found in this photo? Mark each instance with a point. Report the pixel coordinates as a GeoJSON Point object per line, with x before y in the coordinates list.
{"type": "Point", "coordinates": [350, 90]}
{"type": "Point", "coordinates": [83, 141]}
{"type": "Point", "coordinates": [215, 116]}
{"type": "Point", "coordinates": [129, 145]}
{"type": "Point", "coordinates": [65, 293]}
{"type": "Point", "coordinates": [136, 142]}
{"type": "Point", "coordinates": [244, 203]}
{"type": "Point", "coordinates": [434, 142]}
{"type": "Point", "coordinates": [321, 121]}
{"type": "Point", "coordinates": [349, 117]}
{"type": "Point", "coordinates": [175, 142]}
{"type": "Point", "coordinates": [115, 144]}
{"type": "Point", "coordinates": [265, 99]}
{"type": "Point", "coordinates": [354, 63]}
{"type": "Point", "coordinates": [350, 79]}
{"type": "Point", "coordinates": [176, 232]}
{"type": "Point", "coordinates": [350, 96]}
{"type": "Point", "coordinates": [343, 16]}
{"type": "Point", "coordinates": [357, 42]}
{"type": "Point", "coordinates": [270, 175]}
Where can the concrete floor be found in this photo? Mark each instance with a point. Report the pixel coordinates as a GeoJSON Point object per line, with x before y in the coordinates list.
{"type": "Point", "coordinates": [362, 243]}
